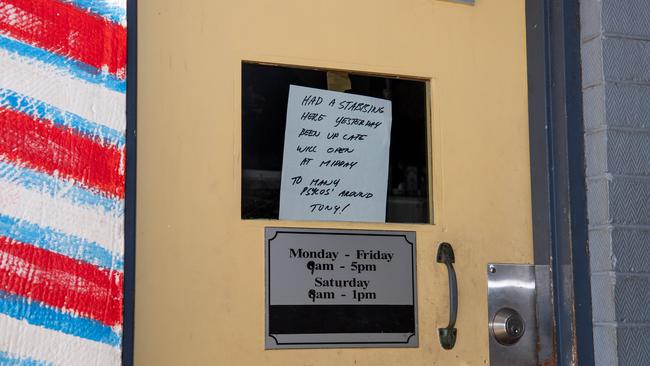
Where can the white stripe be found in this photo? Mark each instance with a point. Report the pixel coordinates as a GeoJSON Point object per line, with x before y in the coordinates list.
{"type": "Point", "coordinates": [21, 339]}
{"type": "Point", "coordinates": [88, 222]}
{"type": "Point", "coordinates": [60, 89]}
{"type": "Point", "coordinates": [120, 3]}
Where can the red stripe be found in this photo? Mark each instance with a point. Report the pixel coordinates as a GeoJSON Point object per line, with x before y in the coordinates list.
{"type": "Point", "coordinates": [43, 146]}
{"type": "Point", "coordinates": [61, 282]}
{"type": "Point", "coordinates": [67, 30]}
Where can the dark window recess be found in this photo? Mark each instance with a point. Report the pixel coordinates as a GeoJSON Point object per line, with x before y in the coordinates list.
{"type": "Point", "coordinates": [265, 92]}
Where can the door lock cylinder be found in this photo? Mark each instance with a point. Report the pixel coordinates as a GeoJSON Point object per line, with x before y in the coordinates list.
{"type": "Point", "coordinates": [507, 326]}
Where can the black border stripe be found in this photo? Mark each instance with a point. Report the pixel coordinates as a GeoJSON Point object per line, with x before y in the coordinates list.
{"type": "Point", "coordinates": [332, 319]}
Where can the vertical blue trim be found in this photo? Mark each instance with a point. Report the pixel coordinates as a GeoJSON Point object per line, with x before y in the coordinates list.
{"type": "Point", "coordinates": [130, 181]}
{"type": "Point", "coordinates": [577, 182]}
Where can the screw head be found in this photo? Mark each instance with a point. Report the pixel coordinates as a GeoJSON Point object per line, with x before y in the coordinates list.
{"type": "Point", "coordinates": [492, 268]}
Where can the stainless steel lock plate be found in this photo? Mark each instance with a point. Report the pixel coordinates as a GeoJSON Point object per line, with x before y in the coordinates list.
{"type": "Point", "coordinates": [512, 314]}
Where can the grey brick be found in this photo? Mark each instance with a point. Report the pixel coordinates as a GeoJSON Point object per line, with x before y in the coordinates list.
{"type": "Point", "coordinates": [600, 250]}
{"type": "Point", "coordinates": [596, 151]}
{"type": "Point", "coordinates": [632, 294]}
{"type": "Point", "coordinates": [593, 105]}
{"type": "Point", "coordinates": [633, 344]}
{"type": "Point", "coordinates": [619, 249]}
{"type": "Point", "coordinates": [592, 62]}
{"type": "Point", "coordinates": [603, 308]}
{"type": "Point", "coordinates": [626, 16]}
{"type": "Point", "coordinates": [618, 201]}
{"type": "Point", "coordinates": [626, 60]}
{"type": "Point", "coordinates": [629, 201]}
{"type": "Point", "coordinates": [626, 106]}
{"type": "Point", "coordinates": [605, 345]}
{"type": "Point", "coordinates": [622, 152]}
{"type": "Point", "coordinates": [598, 201]}
{"type": "Point", "coordinates": [630, 248]}
{"type": "Point", "coordinates": [590, 18]}
{"type": "Point", "coordinates": [628, 152]}
{"type": "Point", "coordinates": [620, 345]}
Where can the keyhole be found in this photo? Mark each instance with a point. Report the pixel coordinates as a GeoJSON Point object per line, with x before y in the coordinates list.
{"type": "Point", "coordinates": [507, 326]}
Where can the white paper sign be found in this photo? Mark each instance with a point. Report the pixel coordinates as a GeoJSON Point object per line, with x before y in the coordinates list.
{"type": "Point", "coordinates": [335, 164]}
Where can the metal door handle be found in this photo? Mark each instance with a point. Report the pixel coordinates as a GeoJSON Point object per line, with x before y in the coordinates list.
{"type": "Point", "coordinates": [448, 334]}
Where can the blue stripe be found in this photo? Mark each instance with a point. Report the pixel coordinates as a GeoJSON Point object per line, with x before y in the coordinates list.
{"type": "Point", "coordinates": [37, 109]}
{"type": "Point", "coordinates": [45, 316]}
{"type": "Point", "coordinates": [78, 69]}
{"type": "Point", "coordinates": [105, 9]}
{"type": "Point", "coordinates": [58, 188]}
{"type": "Point", "coordinates": [7, 360]}
{"type": "Point", "coordinates": [68, 245]}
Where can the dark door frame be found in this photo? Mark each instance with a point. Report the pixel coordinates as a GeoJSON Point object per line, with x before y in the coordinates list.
{"type": "Point", "coordinates": [130, 183]}
{"type": "Point", "coordinates": [558, 173]}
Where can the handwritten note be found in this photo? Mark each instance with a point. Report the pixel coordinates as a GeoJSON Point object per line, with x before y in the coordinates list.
{"type": "Point", "coordinates": [335, 164]}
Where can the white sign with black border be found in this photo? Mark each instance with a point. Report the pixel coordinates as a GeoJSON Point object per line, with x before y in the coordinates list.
{"type": "Point", "coordinates": [330, 288]}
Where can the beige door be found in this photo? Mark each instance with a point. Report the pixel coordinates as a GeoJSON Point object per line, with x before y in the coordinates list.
{"type": "Point", "coordinates": [200, 282]}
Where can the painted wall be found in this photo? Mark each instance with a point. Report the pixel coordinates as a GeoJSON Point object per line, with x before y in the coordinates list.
{"type": "Point", "coordinates": [62, 156]}
{"type": "Point", "coordinates": [616, 102]}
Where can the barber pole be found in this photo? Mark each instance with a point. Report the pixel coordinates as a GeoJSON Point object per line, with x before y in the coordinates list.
{"type": "Point", "coordinates": [62, 174]}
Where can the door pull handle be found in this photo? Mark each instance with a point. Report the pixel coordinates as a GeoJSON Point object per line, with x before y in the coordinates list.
{"type": "Point", "coordinates": [448, 335]}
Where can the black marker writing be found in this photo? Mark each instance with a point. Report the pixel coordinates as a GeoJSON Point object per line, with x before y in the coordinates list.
{"type": "Point", "coordinates": [309, 116]}
{"type": "Point", "coordinates": [338, 164]}
{"type": "Point", "coordinates": [308, 132]}
{"type": "Point", "coordinates": [306, 149]}
{"type": "Point", "coordinates": [348, 105]}
{"type": "Point", "coordinates": [312, 100]}
{"type": "Point", "coordinates": [305, 161]}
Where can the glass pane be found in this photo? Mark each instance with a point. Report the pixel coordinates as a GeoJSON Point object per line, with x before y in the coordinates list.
{"type": "Point", "coordinates": [265, 94]}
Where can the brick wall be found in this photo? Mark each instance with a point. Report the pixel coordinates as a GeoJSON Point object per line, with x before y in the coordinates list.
{"type": "Point", "coordinates": [616, 100]}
